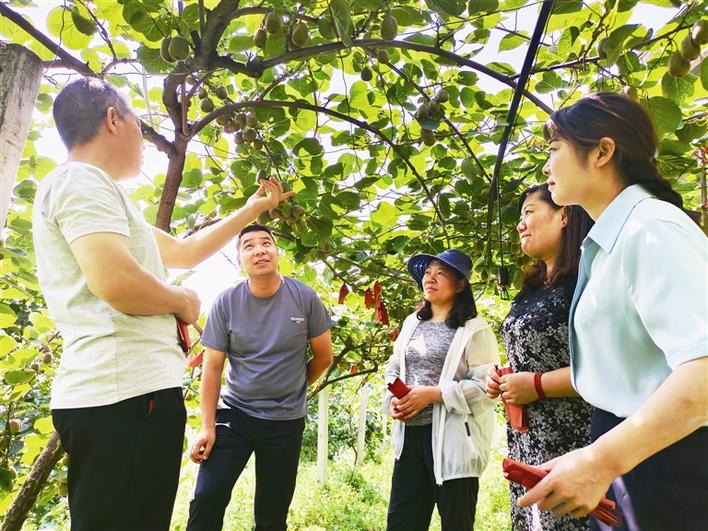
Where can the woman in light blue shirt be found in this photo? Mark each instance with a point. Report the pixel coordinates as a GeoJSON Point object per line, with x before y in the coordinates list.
{"type": "Point", "coordinates": [637, 325]}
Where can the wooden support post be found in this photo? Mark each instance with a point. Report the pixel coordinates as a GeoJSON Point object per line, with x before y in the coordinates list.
{"type": "Point", "coordinates": [322, 435]}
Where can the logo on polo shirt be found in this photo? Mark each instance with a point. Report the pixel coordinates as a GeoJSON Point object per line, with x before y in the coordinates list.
{"type": "Point", "coordinates": [298, 320]}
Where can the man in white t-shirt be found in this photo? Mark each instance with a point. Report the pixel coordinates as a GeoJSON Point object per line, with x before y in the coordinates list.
{"type": "Point", "coordinates": [116, 399]}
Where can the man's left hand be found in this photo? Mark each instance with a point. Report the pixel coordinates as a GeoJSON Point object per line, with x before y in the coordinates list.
{"type": "Point", "coordinates": [269, 195]}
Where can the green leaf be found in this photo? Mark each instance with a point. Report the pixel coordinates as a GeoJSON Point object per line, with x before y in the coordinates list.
{"type": "Point", "coordinates": [451, 8]}
{"type": "Point", "coordinates": [18, 377]}
{"type": "Point", "coordinates": [7, 344]}
{"type": "Point", "coordinates": [482, 6]}
{"type": "Point", "coordinates": [666, 114]}
{"type": "Point", "coordinates": [677, 88]}
{"type": "Point", "coordinates": [152, 61]}
{"type": "Point", "coordinates": [44, 425]}
{"type": "Point", "coordinates": [511, 41]}
{"type": "Point", "coordinates": [385, 214]}
{"type": "Point", "coordinates": [61, 24]}
{"type": "Point", "coordinates": [240, 43]}
{"type": "Point", "coordinates": [7, 316]}
{"type": "Point", "coordinates": [567, 6]}
{"type": "Point", "coordinates": [342, 18]}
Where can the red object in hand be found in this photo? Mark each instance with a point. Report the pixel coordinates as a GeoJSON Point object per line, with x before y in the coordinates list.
{"type": "Point", "coordinates": [528, 476]}
{"type": "Point", "coordinates": [398, 388]}
{"type": "Point", "coordinates": [515, 413]}
{"type": "Point", "coordinates": [343, 292]}
{"type": "Point", "coordinates": [195, 360]}
{"type": "Point", "coordinates": [183, 332]}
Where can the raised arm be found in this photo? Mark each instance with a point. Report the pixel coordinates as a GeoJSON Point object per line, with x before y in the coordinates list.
{"type": "Point", "coordinates": [188, 252]}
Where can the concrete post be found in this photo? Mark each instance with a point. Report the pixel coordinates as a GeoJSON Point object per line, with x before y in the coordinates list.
{"type": "Point", "coordinates": [20, 75]}
{"type": "Point", "coordinates": [361, 428]}
{"type": "Point", "coordinates": [322, 435]}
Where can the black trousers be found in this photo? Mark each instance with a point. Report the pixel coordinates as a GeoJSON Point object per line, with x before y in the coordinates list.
{"type": "Point", "coordinates": [668, 491]}
{"type": "Point", "coordinates": [414, 491]}
{"type": "Point", "coordinates": [276, 444]}
{"type": "Point", "coordinates": [124, 461]}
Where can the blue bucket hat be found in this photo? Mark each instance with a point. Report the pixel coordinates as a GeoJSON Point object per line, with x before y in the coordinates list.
{"type": "Point", "coordinates": [457, 260]}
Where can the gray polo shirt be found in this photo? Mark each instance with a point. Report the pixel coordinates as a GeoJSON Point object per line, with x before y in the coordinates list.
{"type": "Point", "coordinates": [266, 340]}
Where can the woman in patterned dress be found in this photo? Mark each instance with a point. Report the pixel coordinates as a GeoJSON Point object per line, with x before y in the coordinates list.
{"type": "Point", "coordinates": [535, 333]}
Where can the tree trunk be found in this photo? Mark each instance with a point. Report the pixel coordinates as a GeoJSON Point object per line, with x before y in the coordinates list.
{"type": "Point", "coordinates": [21, 505]}
{"type": "Point", "coordinates": [175, 168]}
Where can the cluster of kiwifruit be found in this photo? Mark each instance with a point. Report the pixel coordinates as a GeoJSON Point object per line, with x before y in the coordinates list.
{"type": "Point", "coordinates": [680, 61]}
{"type": "Point", "coordinates": [690, 49]}
{"type": "Point", "coordinates": [207, 106]}
{"type": "Point", "coordinates": [174, 49]}
{"type": "Point", "coordinates": [272, 24]}
{"type": "Point", "coordinates": [291, 213]}
{"type": "Point", "coordinates": [431, 109]}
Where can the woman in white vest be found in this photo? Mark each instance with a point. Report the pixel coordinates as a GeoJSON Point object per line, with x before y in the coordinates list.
{"type": "Point", "coordinates": [444, 425]}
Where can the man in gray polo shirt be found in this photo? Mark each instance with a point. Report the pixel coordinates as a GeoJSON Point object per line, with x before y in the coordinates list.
{"type": "Point", "coordinates": [264, 325]}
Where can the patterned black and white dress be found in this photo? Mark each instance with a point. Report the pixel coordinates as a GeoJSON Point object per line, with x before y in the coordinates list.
{"type": "Point", "coordinates": [535, 333]}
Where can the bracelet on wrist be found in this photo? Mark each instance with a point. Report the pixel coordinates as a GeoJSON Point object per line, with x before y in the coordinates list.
{"type": "Point", "coordinates": [538, 386]}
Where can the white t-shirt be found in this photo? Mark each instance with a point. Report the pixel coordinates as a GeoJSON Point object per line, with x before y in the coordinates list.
{"type": "Point", "coordinates": [108, 356]}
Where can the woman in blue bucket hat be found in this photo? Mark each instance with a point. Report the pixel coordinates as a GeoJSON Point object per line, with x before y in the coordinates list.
{"type": "Point", "coordinates": [444, 425]}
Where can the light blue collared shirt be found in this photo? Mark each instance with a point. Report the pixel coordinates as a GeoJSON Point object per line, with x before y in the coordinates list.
{"type": "Point", "coordinates": [640, 307]}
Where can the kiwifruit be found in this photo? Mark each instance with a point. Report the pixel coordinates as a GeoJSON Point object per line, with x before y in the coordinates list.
{"type": "Point", "coordinates": [223, 119]}
{"type": "Point", "coordinates": [260, 38]}
{"type": "Point", "coordinates": [179, 48]}
{"type": "Point", "coordinates": [257, 143]}
{"type": "Point", "coordinates": [300, 35]}
{"type": "Point", "coordinates": [678, 66]}
{"type": "Point", "coordinates": [699, 32]}
{"type": "Point", "coordinates": [241, 119]}
{"type": "Point", "coordinates": [298, 211]}
{"type": "Point", "coordinates": [300, 226]}
{"type": "Point", "coordinates": [382, 57]}
{"type": "Point", "coordinates": [366, 74]}
{"type": "Point", "coordinates": [15, 425]}
{"type": "Point", "coordinates": [389, 28]}
{"type": "Point", "coordinates": [206, 105]}
{"type": "Point", "coordinates": [263, 218]}
{"type": "Point", "coordinates": [222, 92]}
{"type": "Point", "coordinates": [34, 366]}
{"type": "Point", "coordinates": [230, 127]}
{"type": "Point", "coordinates": [427, 136]}
{"type": "Point", "coordinates": [249, 135]}
{"type": "Point", "coordinates": [286, 209]}
{"type": "Point", "coordinates": [251, 120]}
{"type": "Point", "coordinates": [442, 96]}
{"type": "Point", "coordinates": [202, 93]}
{"type": "Point", "coordinates": [324, 24]}
{"type": "Point", "coordinates": [689, 50]}
{"type": "Point", "coordinates": [468, 167]}
{"type": "Point", "coordinates": [274, 213]}
{"type": "Point", "coordinates": [47, 358]}
{"type": "Point", "coordinates": [423, 111]}
{"type": "Point", "coordinates": [165, 51]}
{"type": "Point", "coordinates": [433, 107]}
{"type": "Point", "coordinates": [601, 48]}
{"type": "Point", "coordinates": [238, 138]}
{"type": "Point", "coordinates": [630, 92]}
{"type": "Point", "coordinates": [273, 24]}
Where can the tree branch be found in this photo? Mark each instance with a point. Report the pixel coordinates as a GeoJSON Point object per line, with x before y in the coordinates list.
{"type": "Point", "coordinates": [198, 126]}
{"type": "Point", "coordinates": [69, 60]}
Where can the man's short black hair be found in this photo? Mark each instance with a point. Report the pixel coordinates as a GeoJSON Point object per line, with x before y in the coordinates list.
{"type": "Point", "coordinates": [81, 106]}
{"type": "Point", "coordinates": [254, 227]}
